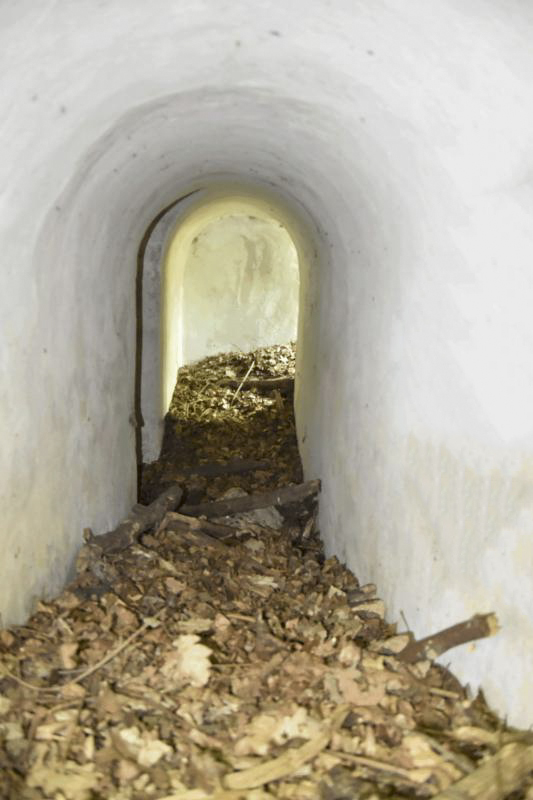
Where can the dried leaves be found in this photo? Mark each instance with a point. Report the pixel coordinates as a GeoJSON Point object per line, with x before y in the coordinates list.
{"type": "Point", "coordinates": [246, 668]}
{"type": "Point", "coordinates": [204, 425]}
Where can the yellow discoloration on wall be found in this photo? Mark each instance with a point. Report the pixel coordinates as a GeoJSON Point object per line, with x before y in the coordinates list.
{"type": "Point", "coordinates": [222, 202]}
{"type": "Point", "coordinates": [240, 287]}
{"type": "Point", "coordinates": [451, 526]}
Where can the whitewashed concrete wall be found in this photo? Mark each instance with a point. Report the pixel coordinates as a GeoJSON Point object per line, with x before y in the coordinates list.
{"type": "Point", "coordinates": [240, 287]}
{"type": "Point", "coordinates": [157, 240]}
{"type": "Point", "coordinates": [403, 130]}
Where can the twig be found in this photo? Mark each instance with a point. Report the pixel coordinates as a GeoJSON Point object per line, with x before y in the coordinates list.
{"type": "Point", "coordinates": [431, 647]}
{"type": "Point", "coordinates": [287, 763]}
{"type": "Point", "coordinates": [179, 522]}
{"type": "Point", "coordinates": [148, 623]}
{"type": "Point", "coordinates": [110, 656]}
{"type": "Point", "coordinates": [372, 763]}
{"type": "Point", "coordinates": [404, 618]}
{"type": "Point", "coordinates": [461, 762]}
{"type": "Point", "coordinates": [4, 671]}
{"type": "Point", "coordinates": [239, 387]}
{"type": "Point", "coordinates": [140, 520]}
{"type": "Point", "coordinates": [235, 505]}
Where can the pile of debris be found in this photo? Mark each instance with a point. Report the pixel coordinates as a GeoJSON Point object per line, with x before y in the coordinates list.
{"type": "Point", "coordinates": [207, 650]}
{"type": "Point", "coordinates": [234, 406]}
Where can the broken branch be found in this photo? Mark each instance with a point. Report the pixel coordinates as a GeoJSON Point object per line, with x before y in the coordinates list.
{"type": "Point", "coordinates": [249, 502]}
{"type": "Point", "coordinates": [140, 519]}
{"type": "Point", "coordinates": [431, 647]}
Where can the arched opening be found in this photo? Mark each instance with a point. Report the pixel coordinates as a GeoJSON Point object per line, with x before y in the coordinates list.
{"type": "Point", "coordinates": [239, 287]}
{"type": "Point", "coordinates": [230, 281]}
{"type": "Point", "coordinates": [224, 268]}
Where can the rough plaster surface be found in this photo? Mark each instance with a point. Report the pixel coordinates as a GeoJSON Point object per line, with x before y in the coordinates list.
{"type": "Point", "coordinates": [240, 287]}
{"type": "Point", "coordinates": [403, 132]}
{"type": "Point", "coordinates": [158, 240]}
{"type": "Point", "coordinates": [221, 293]}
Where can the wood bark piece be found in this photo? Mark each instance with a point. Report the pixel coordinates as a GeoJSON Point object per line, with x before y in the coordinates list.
{"type": "Point", "coordinates": [374, 606]}
{"type": "Point", "coordinates": [284, 384]}
{"type": "Point", "coordinates": [201, 531]}
{"type": "Point", "coordinates": [200, 794]}
{"type": "Point", "coordinates": [363, 593]}
{"type": "Point", "coordinates": [236, 505]}
{"type": "Point", "coordinates": [431, 647]}
{"type": "Point", "coordinates": [496, 778]}
{"type": "Point", "coordinates": [289, 762]}
{"type": "Point", "coordinates": [481, 736]}
{"type": "Point", "coordinates": [180, 522]}
{"type": "Point", "coordinates": [141, 519]}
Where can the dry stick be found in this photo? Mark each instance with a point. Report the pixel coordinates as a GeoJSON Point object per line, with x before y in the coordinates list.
{"type": "Point", "coordinates": [431, 647]}
{"type": "Point", "coordinates": [249, 502]}
{"type": "Point", "coordinates": [496, 778]}
{"type": "Point", "coordinates": [148, 623]}
{"type": "Point", "coordinates": [239, 387]}
{"type": "Point", "coordinates": [140, 519]}
{"type": "Point", "coordinates": [197, 538]}
{"type": "Point", "coordinates": [4, 672]}
{"type": "Point", "coordinates": [372, 763]}
{"type": "Point", "coordinates": [200, 794]}
{"type": "Point", "coordinates": [287, 763]}
{"type": "Point", "coordinates": [282, 384]}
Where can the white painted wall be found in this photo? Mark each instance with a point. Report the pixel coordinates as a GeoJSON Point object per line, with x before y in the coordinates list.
{"type": "Point", "coordinates": [237, 308]}
{"type": "Point", "coordinates": [156, 242]}
{"type": "Point", "coordinates": [240, 287]}
{"type": "Point", "coordinates": [401, 132]}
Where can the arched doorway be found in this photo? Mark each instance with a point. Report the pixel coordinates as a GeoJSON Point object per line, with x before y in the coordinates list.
{"type": "Point", "coordinates": [222, 269]}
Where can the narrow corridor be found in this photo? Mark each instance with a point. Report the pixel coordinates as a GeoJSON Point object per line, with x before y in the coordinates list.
{"type": "Point", "coordinates": [207, 649]}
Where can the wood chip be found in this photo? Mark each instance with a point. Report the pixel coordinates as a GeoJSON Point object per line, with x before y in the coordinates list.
{"type": "Point", "coordinates": [195, 660]}
{"type": "Point", "coordinates": [496, 778]}
{"type": "Point", "coordinates": [287, 763]}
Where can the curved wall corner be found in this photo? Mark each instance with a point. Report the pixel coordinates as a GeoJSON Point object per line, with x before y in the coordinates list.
{"type": "Point", "coordinates": [149, 358]}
